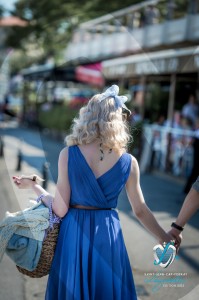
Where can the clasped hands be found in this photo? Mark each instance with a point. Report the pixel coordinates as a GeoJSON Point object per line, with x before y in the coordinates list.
{"type": "Point", "coordinates": [174, 235]}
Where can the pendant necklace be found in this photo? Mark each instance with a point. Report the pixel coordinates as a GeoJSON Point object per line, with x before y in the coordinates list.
{"type": "Point", "coordinates": [102, 152]}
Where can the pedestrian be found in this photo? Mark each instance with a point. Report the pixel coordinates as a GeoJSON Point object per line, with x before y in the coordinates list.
{"type": "Point", "coordinates": [151, 15]}
{"type": "Point", "coordinates": [195, 166]}
{"type": "Point", "coordinates": [91, 260]}
{"type": "Point", "coordinates": [156, 145]}
{"type": "Point", "coordinates": [191, 109]}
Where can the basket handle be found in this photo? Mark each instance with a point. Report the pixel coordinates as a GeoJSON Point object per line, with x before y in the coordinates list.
{"type": "Point", "coordinates": [53, 218]}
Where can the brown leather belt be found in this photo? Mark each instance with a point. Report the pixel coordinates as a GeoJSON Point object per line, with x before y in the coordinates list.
{"type": "Point", "coordinates": [86, 207]}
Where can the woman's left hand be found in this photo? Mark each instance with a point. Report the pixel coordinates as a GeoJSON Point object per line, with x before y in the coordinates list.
{"type": "Point", "coordinates": [177, 238]}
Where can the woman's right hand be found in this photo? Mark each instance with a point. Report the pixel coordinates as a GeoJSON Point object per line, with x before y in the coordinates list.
{"type": "Point", "coordinates": [25, 182]}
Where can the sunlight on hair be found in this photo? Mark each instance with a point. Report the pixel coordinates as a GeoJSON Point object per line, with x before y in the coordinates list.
{"type": "Point", "coordinates": [100, 120]}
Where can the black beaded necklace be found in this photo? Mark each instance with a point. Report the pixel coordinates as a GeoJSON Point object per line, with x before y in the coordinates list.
{"type": "Point", "coordinates": [102, 152]}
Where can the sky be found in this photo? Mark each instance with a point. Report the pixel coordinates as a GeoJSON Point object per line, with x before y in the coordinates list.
{"type": "Point", "coordinates": [8, 4]}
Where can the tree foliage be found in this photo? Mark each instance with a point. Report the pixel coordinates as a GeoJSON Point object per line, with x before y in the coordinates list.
{"type": "Point", "coordinates": [2, 10]}
{"type": "Point", "coordinates": [50, 23]}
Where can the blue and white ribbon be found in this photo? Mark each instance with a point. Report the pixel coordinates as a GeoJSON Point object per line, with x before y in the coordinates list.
{"type": "Point", "coordinates": [113, 92]}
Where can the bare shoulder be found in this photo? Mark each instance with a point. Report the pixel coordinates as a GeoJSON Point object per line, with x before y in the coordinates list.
{"type": "Point", "coordinates": [63, 155]}
{"type": "Point", "coordinates": [134, 164]}
{"type": "Point", "coordinates": [63, 164]}
{"type": "Point", "coordinates": [134, 172]}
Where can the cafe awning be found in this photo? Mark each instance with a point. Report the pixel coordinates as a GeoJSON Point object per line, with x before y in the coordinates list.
{"type": "Point", "coordinates": [50, 73]}
{"type": "Point", "coordinates": [183, 60]}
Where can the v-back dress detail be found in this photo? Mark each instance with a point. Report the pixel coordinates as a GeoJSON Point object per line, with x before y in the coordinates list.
{"type": "Point", "coordinates": [91, 260]}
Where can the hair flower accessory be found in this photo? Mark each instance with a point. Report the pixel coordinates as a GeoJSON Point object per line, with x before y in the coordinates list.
{"type": "Point", "coordinates": [113, 92]}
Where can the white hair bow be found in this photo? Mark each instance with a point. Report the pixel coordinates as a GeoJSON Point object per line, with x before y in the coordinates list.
{"type": "Point", "coordinates": [113, 92]}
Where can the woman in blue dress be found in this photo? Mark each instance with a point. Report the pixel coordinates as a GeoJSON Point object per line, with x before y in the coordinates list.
{"type": "Point", "coordinates": [91, 260]}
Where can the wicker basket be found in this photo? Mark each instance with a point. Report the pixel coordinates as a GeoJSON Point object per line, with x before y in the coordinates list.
{"type": "Point", "coordinates": [47, 253]}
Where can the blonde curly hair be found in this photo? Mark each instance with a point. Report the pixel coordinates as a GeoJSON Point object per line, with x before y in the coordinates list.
{"type": "Point", "coordinates": [100, 120]}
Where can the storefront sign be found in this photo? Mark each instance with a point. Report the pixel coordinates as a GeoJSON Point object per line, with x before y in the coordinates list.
{"type": "Point", "coordinates": [90, 74]}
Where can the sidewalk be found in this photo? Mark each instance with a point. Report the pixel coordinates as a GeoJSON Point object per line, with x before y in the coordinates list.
{"type": "Point", "coordinates": [163, 196]}
{"type": "Point", "coordinates": [14, 285]}
{"type": "Point", "coordinates": [11, 282]}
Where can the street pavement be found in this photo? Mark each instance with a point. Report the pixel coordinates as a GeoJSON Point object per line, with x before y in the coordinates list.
{"type": "Point", "coordinates": [163, 196]}
{"type": "Point", "coordinates": [11, 283]}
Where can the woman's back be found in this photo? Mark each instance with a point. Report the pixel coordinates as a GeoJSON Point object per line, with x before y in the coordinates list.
{"type": "Point", "coordinates": [93, 184]}
{"type": "Point", "coordinates": [92, 154]}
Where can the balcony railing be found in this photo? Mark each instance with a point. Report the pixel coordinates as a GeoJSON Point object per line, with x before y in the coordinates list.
{"type": "Point", "coordinates": [112, 35]}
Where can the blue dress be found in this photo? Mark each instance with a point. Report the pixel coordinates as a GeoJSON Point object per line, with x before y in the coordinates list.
{"type": "Point", "coordinates": [91, 260]}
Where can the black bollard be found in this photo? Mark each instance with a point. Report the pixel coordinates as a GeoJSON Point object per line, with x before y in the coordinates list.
{"type": "Point", "coordinates": [19, 160]}
{"type": "Point", "coordinates": [1, 147]}
{"type": "Point", "coordinates": [45, 173]}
